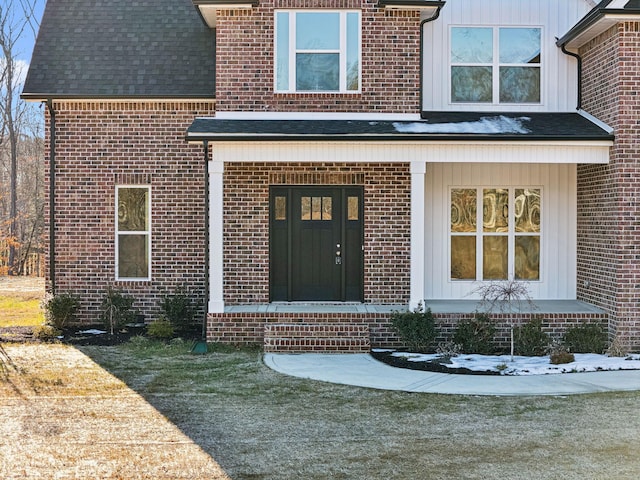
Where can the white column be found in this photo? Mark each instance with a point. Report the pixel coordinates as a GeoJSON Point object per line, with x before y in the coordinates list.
{"type": "Point", "coordinates": [216, 237]}
{"type": "Point", "coordinates": [416, 294]}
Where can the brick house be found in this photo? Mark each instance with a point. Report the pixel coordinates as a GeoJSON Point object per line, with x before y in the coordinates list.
{"type": "Point", "coordinates": [303, 167]}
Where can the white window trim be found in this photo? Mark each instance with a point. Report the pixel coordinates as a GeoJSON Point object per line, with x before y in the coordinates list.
{"type": "Point", "coordinates": [495, 66]}
{"type": "Point", "coordinates": [480, 233]}
{"type": "Point", "coordinates": [128, 232]}
{"type": "Point", "coordinates": [293, 50]}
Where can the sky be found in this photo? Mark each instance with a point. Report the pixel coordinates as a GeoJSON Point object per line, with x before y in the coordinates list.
{"type": "Point", "coordinates": [24, 46]}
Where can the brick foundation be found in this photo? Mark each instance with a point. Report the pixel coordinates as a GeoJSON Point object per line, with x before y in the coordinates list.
{"type": "Point", "coordinates": [346, 329]}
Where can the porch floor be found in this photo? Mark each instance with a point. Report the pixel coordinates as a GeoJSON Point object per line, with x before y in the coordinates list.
{"type": "Point", "coordinates": [436, 306]}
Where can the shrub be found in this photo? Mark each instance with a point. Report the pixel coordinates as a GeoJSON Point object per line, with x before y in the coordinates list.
{"type": "Point", "coordinates": [529, 339]}
{"type": "Point", "coordinates": [476, 334]}
{"type": "Point", "coordinates": [46, 333]}
{"type": "Point", "coordinates": [617, 349]}
{"type": "Point", "coordinates": [415, 328]}
{"type": "Point", "coordinates": [558, 353]}
{"type": "Point", "coordinates": [60, 309]}
{"type": "Point", "coordinates": [585, 338]}
{"type": "Point", "coordinates": [562, 357]}
{"type": "Point", "coordinates": [117, 309]}
{"type": "Point", "coordinates": [162, 329]}
{"type": "Point", "coordinates": [449, 349]}
{"type": "Point", "coordinates": [178, 309]}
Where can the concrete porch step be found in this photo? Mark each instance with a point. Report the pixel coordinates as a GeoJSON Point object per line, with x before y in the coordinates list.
{"type": "Point", "coordinates": [316, 337]}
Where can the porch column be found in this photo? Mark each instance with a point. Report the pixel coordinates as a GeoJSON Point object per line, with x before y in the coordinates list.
{"type": "Point", "coordinates": [416, 293]}
{"type": "Point", "coordinates": [216, 238]}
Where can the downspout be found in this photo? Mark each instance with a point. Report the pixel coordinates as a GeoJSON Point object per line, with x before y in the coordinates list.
{"type": "Point", "coordinates": [52, 195]}
{"type": "Point", "coordinates": [206, 238]}
{"type": "Point", "coordinates": [422, 23]}
{"type": "Point", "coordinates": [579, 59]}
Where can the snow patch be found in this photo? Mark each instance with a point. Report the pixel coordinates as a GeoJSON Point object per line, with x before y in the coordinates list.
{"type": "Point", "coordinates": [584, 362]}
{"type": "Point", "coordinates": [486, 125]}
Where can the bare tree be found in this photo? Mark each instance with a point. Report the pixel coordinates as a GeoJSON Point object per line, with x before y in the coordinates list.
{"type": "Point", "coordinates": [19, 222]}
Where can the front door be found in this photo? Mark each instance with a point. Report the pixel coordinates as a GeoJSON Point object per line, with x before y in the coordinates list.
{"type": "Point", "coordinates": [316, 243]}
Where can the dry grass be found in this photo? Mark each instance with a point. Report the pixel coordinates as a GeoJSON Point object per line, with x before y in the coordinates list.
{"type": "Point", "coordinates": [20, 301]}
{"type": "Point", "coordinates": [163, 413]}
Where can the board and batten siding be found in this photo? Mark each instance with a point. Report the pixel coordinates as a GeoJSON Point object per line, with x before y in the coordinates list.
{"type": "Point", "coordinates": [558, 229]}
{"type": "Point", "coordinates": [559, 71]}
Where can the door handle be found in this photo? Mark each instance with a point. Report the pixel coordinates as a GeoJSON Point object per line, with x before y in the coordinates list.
{"type": "Point", "coordinates": [338, 255]}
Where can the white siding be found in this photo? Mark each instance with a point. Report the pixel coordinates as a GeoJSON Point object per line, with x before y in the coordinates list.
{"type": "Point", "coordinates": [558, 237]}
{"type": "Point", "coordinates": [559, 71]}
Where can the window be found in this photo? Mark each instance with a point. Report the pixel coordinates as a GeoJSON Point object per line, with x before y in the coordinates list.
{"type": "Point", "coordinates": [133, 233]}
{"type": "Point", "coordinates": [495, 233]}
{"type": "Point", "coordinates": [317, 51]}
{"type": "Point", "coordinates": [495, 65]}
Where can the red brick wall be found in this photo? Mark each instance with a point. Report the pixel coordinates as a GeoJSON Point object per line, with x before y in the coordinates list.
{"type": "Point", "coordinates": [241, 328]}
{"type": "Point", "coordinates": [102, 144]}
{"type": "Point", "coordinates": [608, 208]}
{"type": "Point", "coordinates": [246, 225]}
{"type": "Point", "coordinates": [390, 61]}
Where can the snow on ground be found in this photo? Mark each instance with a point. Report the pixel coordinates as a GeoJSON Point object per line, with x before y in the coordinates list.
{"type": "Point", "coordinates": [584, 362]}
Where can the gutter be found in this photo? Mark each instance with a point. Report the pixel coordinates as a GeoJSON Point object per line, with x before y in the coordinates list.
{"type": "Point", "coordinates": [205, 144]}
{"type": "Point", "coordinates": [579, 59]}
{"type": "Point", "coordinates": [52, 195]}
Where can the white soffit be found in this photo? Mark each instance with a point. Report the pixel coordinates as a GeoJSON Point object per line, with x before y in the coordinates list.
{"type": "Point", "coordinates": [584, 152]}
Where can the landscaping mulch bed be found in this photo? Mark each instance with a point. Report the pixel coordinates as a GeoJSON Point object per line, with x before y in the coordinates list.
{"type": "Point", "coordinates": [438, 365]}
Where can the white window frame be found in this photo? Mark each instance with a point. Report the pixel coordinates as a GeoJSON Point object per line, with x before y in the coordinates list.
{"type": "Point", "coordinates": [495, 64]}
{"type": "Point", "coordinates": [147, 232]}
{"type": "Point", "coordinates": [480, 233]}
{"type": "Point", "coordinates": [342, 51]}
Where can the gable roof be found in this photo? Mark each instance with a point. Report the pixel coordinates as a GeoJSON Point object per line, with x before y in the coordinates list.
{"type": "Point", "coordinates": [434, 126]}
{"type": "Point", "coordinates": [122, 49]}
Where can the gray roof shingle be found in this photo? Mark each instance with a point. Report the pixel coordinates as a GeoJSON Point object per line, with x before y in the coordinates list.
{"type": "Point", "coordinates": [453, 126]}
{"type": "Point", "coordinates": [122, 48]}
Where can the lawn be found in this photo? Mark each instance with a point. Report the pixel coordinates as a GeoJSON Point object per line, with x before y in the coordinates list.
{"type": "Point", "coordinates": [148, 410]}
{"type": "Point", "coordinates": [20, 299]}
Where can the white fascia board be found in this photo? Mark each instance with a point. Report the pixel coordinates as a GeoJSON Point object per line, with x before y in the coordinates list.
{"type": "Point", "coordinates": [315, 116]}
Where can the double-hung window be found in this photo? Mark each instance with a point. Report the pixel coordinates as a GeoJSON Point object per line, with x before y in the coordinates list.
{"type": "Point", "coordinates": [495, 233]}
{"type": "Point", "coordinates": [133, 232]}
{"type": "Point", "coordinates": [317, 51]}
{"type": "Point", "coordinates": [495, 65]}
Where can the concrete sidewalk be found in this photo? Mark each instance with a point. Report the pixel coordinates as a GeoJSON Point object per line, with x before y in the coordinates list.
{"type": "Point", "coordinates": [363, 370]}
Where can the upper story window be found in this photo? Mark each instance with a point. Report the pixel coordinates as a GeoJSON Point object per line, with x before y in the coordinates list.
{"type": "Point", "coordinates": [496, 65]}
{"type": "Point", "coordinates": [317, 51]}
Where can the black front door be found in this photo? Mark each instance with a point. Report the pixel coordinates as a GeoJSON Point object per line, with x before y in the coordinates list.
{"type": "Point", "coordinates": [316, 243]}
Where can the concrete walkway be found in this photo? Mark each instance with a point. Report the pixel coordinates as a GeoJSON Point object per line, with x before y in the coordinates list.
{"type": "Point", "coordinates": [364, 371]}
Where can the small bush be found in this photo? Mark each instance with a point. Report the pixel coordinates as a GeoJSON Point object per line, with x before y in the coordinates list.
{"type": "Point", "coordinates": [60, 309]}
{"type": "Point", "coordinates": [178, 309]}
{"type": "Point", "coordinates": [449, 349]}
{"type": "Point", "coordinates": [586, 338]}
{"type": "Point", "coordinates": [117, 309]}
{"type": "Point", "coordinates": [562, 357]}
{"type": "Point", "coordinates": [162, 329]}
{"type": "Point", "coordinates": [46, 333]}
{"type": "Point", "coordinates": [476, 335]}
{"type": "Point", "coordinates": [529, 339]}
{"type": "Point", "coordinates": [415, 328]}
{"type": "Point", "coordinates": [617, 349]}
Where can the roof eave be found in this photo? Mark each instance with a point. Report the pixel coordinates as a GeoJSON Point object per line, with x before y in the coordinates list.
{"type": "Point", "coordinates": [42, 97]}
{"type": "Point", "coordinates": [244, 137]}
{"type": "Point", "coordinates": [594, 23]}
